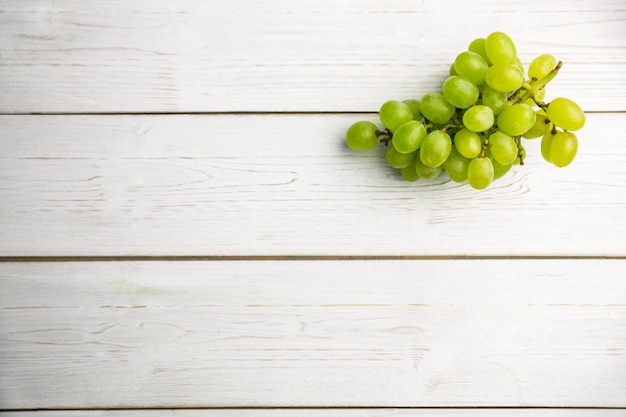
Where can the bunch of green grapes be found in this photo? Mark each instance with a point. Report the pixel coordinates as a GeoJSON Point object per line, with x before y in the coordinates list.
{"type": "Point", "coordinates": [473, 128]}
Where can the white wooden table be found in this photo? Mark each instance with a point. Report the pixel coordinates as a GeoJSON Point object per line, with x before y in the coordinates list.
{"type": "Point", "coordinates": [183, 231]}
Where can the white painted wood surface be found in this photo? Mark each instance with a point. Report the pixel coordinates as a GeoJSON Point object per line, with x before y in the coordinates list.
{"type": "Point", "coordinates": [262, 173]}
{"type": "Point", "coordinates": [281, 55]}
{"type": "Point", "coordinates": [218, 185]}
{"type": "Point", "coordinates": [319, 333]}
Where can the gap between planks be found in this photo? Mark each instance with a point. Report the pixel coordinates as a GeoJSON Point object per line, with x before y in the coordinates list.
{"type": "Point", "coordinates": [225, 258]}
{"type": "Point", "coordinates": [227, 112]}
{"type": "Point", "coordinates": [321, 408]}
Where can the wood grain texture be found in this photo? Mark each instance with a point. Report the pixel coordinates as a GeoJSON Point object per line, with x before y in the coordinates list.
{"type": "Point", "coordinates": [287, 185]}
{"type": "Point", "coordinates": [344, 333]}
{"type": "Point", "coordinates": [361, 412]}
{"type": "Point", "coordinates": [242, 338]}
{"type": "Point", "coordinates": [280, 55]}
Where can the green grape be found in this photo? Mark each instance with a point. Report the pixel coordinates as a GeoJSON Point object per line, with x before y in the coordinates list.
{"type": "Point", "coordinates": [361, 136]}
{"type": "Point", "coordinates": [471, 66]}
{"type": "Point", "coordinates": [496, 100]}
{"type": "Point", "coordinates": [399, 160]}
{"type": "Point", "coordinates": [408, 137]}
{"type": "Point", "coordinates": [409, 173]}
{"type": "Point", "coordinates": [566, 114]}
{"type": "Point", "coordinates": [518, 64]}
{"type": "Point", "coordinates": [452, 70]}
{"type": "Point", "coordinates": [478, 118]}
{"type": "Point", "coordinates": [530, 102]}
{"type": "Point", "coordinates": [436, 148]}
{"type": "Point", "coordinates": [517, 119]}
{"type": "Point", "coordinates": [414, 105]}
{"type": "Point", "coordinates": [499, 170]}
{"type": "Point", "coordinates": [480, 173]}
{"type": "Point", "coordinates": [459, 91]}
{"type": "Point", "coordinates": [563, 149]}
{"type": "Point", "coordinates": [546, 144]}
{"type": "Point", "coordinates": [435, 108]}
{"type": "Point", "coordinates": [500, 48]}
{"type": "Point", "coordinates": [468, 143]}
{"type": "Point", "coordinates": [502, 147]}
{"type": "Point", "coordinates": [456, 166]}
{"type": "Point", "coordinates": [504, 77]}
{"type": "Point", "coordinates": [541, 66]}
{"type": "Point", "coordinates": [539, 128]}
{"type": "Point", "coordinates": [394, 113]}
{"type": "Point", "coordinates": [478, 46]}
{"type": "Point", "coordinates": [424, 171]}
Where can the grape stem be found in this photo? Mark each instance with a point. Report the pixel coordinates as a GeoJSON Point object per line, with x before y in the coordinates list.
{"type": "Point", "coordinates": [535, 85]}
{"type": "Point", "coordinates": [445, 128]}
{"type": "Point", "coordinates": [484, 148]}
{"type": "Point", "coordinates": [384, 136]}
{"type": "Point", "coordinates": [518, 142]}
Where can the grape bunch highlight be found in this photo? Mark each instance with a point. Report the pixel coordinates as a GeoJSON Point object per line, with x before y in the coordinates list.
{"type": "Point", "coordinates": [473, 129]}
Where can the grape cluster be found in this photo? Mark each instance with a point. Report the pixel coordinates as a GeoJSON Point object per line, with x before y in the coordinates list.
{"type": "Point", "coordinates": [473, 129]}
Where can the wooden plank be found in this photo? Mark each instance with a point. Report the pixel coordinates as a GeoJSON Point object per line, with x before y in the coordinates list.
{"type": "Point", "coordinates": [280, 55]}
{"type": "Point", "coordinates": [219, 185]}
{"type": "Point", "coordinates": [370, 333]}
{"type": "Point", "coordinates": [360, 412]}
{"type": "Point", "coordinates": [314, 283]}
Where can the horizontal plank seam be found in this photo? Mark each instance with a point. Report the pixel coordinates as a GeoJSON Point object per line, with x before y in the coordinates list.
{"type": "Point", "coordinates": [236, 113]}
{"type": "Point", "coordinates": [222, 258]}
{"type": "Point", "coordinates": [505, 407]}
